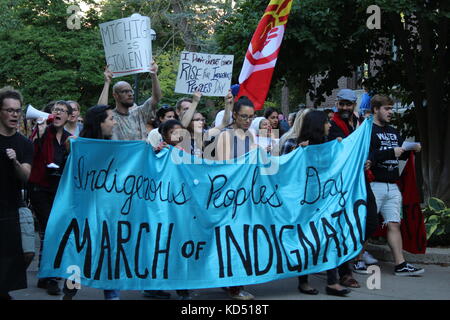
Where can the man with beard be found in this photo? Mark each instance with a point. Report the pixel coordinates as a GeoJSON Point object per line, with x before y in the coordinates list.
{"type": "Point", "coordinates": [344, 121]}
{"type": "Point", "coordinates": [131, 119]}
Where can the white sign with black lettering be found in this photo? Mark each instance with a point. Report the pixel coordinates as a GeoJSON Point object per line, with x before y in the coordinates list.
{"type": "Point", "coordinates": [127, 44]}
{"type": "Point", "coordinates": [207, 73]}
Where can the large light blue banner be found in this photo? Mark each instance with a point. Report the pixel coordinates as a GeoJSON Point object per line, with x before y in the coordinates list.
{"type": "Point", "coordinates": [128, 218]}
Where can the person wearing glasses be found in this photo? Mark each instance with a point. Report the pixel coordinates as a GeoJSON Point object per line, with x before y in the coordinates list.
{"type": "Point", "coordinates": [131, 119]}
{"type": "Point", "coordinates": [48, 163]}
{"type": "Point", "coordinates": [232, 144]}
{"type": "Point", "coordinates": [16, 155]}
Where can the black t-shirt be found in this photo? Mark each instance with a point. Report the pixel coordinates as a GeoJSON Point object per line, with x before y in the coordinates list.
{"type": "Point", "coordinates": [10, 184]}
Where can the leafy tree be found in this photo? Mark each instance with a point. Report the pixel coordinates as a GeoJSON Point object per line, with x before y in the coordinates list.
{"type": "Point", "coordinates": [331, 39]}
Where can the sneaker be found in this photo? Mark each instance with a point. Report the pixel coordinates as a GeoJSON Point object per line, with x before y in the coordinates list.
{"type": "Point", "coordinates": [53, 288]}
{"type": "Point", "coordinates": [360, 267]}
{"type": "Point", "coordinates": [406, 269]}
{"type": "Point", "coordinates": [369, 259]}
{"type": "Point", "coordinates": [156, 294]}
{"type": "Point", "coordinates": [241, 295]}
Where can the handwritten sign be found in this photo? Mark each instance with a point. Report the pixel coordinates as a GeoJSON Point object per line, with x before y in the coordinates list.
{"type": "Point", "coordinates": [127, 44]}
{"type": "Point", "coordinates": [207, 73]}
{"type": "Point", "coordinates": [130, 219]}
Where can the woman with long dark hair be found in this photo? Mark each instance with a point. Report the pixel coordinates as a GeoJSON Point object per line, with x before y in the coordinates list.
{"type": "Point", "coordinates": [315, 129]}
{"type": "Point", "coordinates": [98, 124]}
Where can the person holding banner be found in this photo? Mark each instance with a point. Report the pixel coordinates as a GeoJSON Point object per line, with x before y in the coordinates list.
{"type": "Point", "coordinates": [131, 119]}
{"type": "Point", "coordinates": [231, 145]}
{"type": "Point", "coordinates": [99, 124]}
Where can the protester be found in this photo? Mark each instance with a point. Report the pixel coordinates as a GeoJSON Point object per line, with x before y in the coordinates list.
{"type": "Point", "coordinates": [165, 113]}
{"type": "Point", "coordinates": [99, 125]}
{"type": "Point", "coordinates": [385, 151]}
{"type": "Point", "coordinates": [48, 164]}
{"type": "Point", "coordinates": [131, 119]}
{"type": "Point", "coordinates": [344, 122]}
{"type": "Point", "coordinates": [263, 133]}
{"type": "Point", "coordinates": [288, 141]}
{"type": "Point", "coordinates": [73, 125]}
{"type": "Point", "coordinates": [232, 144]}
{"type": "Point", "coordinates": [272, 115]}
{"type": "Point", "coordinates": [314, 130]}
{"type": "Point", "coordinates": [16, 154]}
{"type": "Point", "coordinates": [330, 113]}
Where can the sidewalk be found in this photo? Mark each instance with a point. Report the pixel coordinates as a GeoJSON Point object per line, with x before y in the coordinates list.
{"type": "Point", "coordinates": [440, 256]}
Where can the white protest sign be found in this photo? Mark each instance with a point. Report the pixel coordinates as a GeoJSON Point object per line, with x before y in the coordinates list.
{"type": "Point", "coordinates": [207, 73]}
{"type": "Point", "coordinates": [127, 44]}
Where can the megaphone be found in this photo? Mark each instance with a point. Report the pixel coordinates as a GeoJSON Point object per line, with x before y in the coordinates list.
{"type": "Point", "coordinates": [33, 113]}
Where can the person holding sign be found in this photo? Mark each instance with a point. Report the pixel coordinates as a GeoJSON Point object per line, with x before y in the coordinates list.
{"type": "Point", "coordinates": [131, 119]}
{"type": "Point", "coordinates": [231, 145]}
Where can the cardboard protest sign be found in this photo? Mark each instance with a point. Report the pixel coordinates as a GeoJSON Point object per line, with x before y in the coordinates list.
{"type": "Point", "coordinates": [207, 73]}
{"type": "Point", "coordinates": [130, 219]}
{"type": "Point", "coordinates": [127, 44]}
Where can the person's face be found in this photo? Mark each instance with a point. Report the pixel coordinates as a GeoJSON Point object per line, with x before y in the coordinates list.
{"type": "Point", "coordinates": [10, 113]}
{"type": "Point", "coordinates": [168, 116]}
{"type": "Point", "coordinates": [175, 135]}
{"type": "Point", "coordinates": [75, 113]}
{"type": "Point", "coordinates": [244, 117]}
{"type": "Point", "coordinates": [125, 95]}
{"type": "Point", "coordinates": [61, 114]}
{"type": "Point", "coordinates": [345, 108]}
{"type": "Point", "coordinates": [384, 114]}
{"type": "Point", "coordinates": [184, 106]}
{"type": "Point", "coordinates": [326, 127]}
{"type": "Point", "coordinates": [273, 119]}
{"type": "Point", "coordinates": [108, 124]}
{"type": "Point", "coordinates": [198, 122]}
{"type": "Point", "coordinates": [264, 124]}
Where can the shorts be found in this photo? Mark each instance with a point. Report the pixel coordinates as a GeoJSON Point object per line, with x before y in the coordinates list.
{"type": "Point", "coordinates": [27, 229]}
{"type": "Point", "coordinates": [389, 201]}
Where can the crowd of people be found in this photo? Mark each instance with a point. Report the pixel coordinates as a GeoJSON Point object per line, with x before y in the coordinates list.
{"type": "Point", "coordinates": [31, 166]}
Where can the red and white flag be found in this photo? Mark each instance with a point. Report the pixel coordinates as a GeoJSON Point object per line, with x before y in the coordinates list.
{"type": "Point", "coordinates": [262, 52]}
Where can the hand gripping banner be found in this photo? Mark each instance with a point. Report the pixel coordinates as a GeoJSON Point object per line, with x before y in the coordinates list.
{"type": "Point", "coordinates": [128, 218]}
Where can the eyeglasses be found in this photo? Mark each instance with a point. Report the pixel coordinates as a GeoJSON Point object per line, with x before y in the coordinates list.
{"type": "Point", "coordinates": [246, 117]}
{"type": "Point", "coordinates": [11, 111]}
{"type": "Point", "coordinates": [126, 91]}
{"type": "Point", "coordinates": [345, 103]}
{"type": "Point", "coordinates": [58, 110]}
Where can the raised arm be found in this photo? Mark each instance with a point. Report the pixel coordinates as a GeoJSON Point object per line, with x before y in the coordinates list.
{"type": "Point", "coordinates": [226, 116]}
{"type": "Point", "coordinates": [105, 92]}
{"type": "Point", "coordinates": [186, 117]}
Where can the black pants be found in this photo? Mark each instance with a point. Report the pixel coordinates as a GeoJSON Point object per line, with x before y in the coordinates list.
{"type": "Point", "coordinates": [42, 202]}
{"type": "Point", "coordinates": [372, 214]}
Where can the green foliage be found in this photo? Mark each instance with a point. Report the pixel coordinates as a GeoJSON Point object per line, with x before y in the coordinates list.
{"type": "Point", "coordinates": [437, 218]}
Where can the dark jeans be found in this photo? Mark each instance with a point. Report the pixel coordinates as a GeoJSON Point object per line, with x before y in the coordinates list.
{"type": "Point", "coordinates": [372, 214]}
{"type": "Point", "coordinates": [42, 202]}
